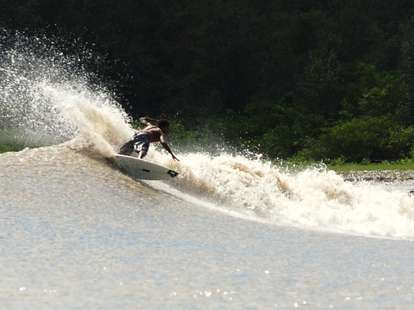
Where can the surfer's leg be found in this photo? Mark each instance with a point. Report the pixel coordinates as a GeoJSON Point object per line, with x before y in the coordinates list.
{"type": "Point", "coordinates": [141, 155]}
{"type": "Point", "coordinates": [143, 150]}
{"type": "Point", "coordinates": [141, 146]}
{"type": "Point", "coordinates": [127, 148]}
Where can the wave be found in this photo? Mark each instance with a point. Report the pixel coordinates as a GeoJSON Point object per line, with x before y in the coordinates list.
{"type": "Point", "coordinates": [43, 96]}
{"type": "Point", "coordinates": [314, 198]}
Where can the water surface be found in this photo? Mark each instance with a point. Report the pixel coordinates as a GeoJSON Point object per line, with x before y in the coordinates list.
{"type": "Point", "coordinates": [78, 234]}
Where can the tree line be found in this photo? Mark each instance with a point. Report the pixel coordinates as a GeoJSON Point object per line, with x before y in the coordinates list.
{"type": "Point", "coordinates": [310, 79]}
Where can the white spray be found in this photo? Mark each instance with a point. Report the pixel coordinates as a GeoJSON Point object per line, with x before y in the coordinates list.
{"type": "Point", "coordinates": [314, 198]}
{"type": "Point", "coordinates": [50, 98]}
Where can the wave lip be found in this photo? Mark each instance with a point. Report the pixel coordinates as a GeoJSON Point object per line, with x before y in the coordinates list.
{"type": "Point", "coordinates": [47, 97]}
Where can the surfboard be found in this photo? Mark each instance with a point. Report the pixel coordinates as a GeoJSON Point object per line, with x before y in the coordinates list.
{"type": "Point", "coordinates": [142, 169]}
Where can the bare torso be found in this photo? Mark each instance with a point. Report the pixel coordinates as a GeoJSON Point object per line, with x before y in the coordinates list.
{"type": "Point", "coordinates": [155, 134]}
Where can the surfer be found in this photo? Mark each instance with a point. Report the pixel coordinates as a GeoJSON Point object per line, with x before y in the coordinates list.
{"type": "Point", "coordinates": [155, 131]}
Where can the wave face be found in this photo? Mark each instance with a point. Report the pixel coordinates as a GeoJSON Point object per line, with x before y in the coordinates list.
{"type": "Point", "coordinates": [44, 94]}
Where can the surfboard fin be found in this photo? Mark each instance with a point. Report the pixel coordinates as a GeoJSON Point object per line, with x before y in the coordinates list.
{"type": "Point", "coordinates": [172, 173]}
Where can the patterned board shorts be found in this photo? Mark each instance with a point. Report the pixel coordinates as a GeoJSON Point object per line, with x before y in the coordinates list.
{"type": "Point", "coordinates": [140, 143]}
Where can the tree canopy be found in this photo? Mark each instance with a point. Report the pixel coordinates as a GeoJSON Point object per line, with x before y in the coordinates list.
{"type": "Point", "coordinates": [290, 77]}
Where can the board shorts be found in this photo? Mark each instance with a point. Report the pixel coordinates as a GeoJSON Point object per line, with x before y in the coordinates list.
{"type": "Point", "coordinates": [140, 143]}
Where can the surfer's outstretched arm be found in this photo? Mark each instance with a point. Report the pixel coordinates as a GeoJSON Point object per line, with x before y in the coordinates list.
{"type": "Point", "coordinates": [167, 147]}
{"type": "Point", "coordinates": [148, 121]}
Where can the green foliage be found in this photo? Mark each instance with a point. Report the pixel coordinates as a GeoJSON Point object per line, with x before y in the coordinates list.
{"type": "Point", "coordinates": [308, 79]}
{"type": "Point", "coordinates": [184, 137]}
{"type": "Point", "coordinates": [10, 148]}
{"type": "Point", "coordinates": [364, 138]}
{"type": "Point", "coordinates": [378, 93]}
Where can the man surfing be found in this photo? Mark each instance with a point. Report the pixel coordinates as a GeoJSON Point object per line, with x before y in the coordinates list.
{"type": "Point", "coordinates": [155, 131]}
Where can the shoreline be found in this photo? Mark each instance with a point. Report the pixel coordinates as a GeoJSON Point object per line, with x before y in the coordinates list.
{"type": "Point", "coordinates": [378, 175]}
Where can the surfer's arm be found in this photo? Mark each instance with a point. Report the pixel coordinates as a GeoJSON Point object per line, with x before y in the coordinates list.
{"type": "Point", "coordinates": [165, 145]}
{"type": "Point", "coordinates": [148, 121]}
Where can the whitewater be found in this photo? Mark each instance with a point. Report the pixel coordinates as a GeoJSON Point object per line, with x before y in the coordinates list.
{"type": "Point", "coordinates": [231, 231]}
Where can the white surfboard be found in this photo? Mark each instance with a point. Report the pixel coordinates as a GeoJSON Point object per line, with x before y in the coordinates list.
{"type": "Point", "coordinates": [142, 169]}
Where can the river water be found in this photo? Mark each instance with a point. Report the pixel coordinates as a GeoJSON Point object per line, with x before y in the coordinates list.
{"type": "Point", "coordinates": [230, 231]}
{"type": "Point", "coordinates": [78, 234]}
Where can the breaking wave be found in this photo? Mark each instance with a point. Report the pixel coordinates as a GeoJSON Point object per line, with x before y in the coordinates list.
{"type": "Point", "coordinates": [47, 97]}
{"type": "Point", "coordinates": [44, 97]}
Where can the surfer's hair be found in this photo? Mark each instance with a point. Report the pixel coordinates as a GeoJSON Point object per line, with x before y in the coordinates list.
{"type": "Point", "coordinates": [163, 124]}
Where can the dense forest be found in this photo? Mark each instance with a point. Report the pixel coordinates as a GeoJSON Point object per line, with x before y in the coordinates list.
{"type": "Point", "coordinates": [290, 78]}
